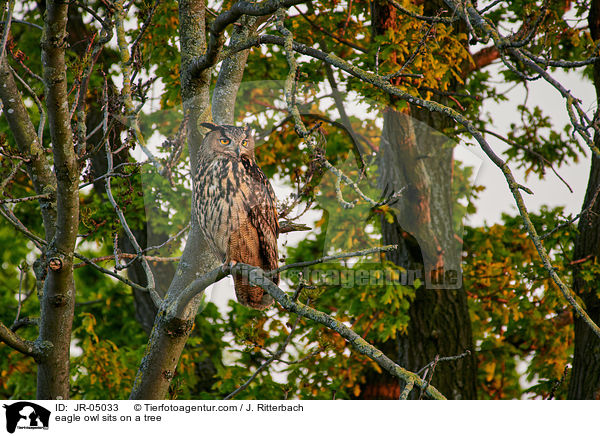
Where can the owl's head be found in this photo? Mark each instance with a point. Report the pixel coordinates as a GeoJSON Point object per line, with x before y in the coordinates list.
{"type": "Point", "coordinates": [231, 141]}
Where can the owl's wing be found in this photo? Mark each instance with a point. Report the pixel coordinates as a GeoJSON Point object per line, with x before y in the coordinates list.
{"type": "Point", "coordinates": [262, 214]}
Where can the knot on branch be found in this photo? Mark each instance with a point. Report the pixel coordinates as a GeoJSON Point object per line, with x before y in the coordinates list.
{"type": "Point", "coordinates": [59, 300]}
{"type": "Point", "coordinates": [55, 264]}
{"type": "Point", "coordinates": [41, 349]}
{"type": "Point", "coordinates": [177, 328]}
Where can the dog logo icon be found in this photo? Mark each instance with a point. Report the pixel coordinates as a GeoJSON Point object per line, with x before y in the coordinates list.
{"type": "Point", "coordinates": [26, 415]}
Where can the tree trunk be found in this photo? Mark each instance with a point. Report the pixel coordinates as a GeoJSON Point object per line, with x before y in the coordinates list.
{"type": "Point", "coordinates": [585, 377]}
{"type": "Point", "coordinates": [415, 158]}
{"type": "Point", "coordinates": [58, 299]}
{"type": "Point", "coordinates": [169, 335]}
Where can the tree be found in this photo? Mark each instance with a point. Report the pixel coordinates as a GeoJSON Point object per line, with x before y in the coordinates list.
{"type": "Point", "coordinates": [425, 220]}
{"type": "Point", "coordinates": [412, 60]}
{"type": "Point", "coordinates": [585, 382]}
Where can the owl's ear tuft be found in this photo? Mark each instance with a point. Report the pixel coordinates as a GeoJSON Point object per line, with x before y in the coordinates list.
{"type": "Point", "coordinates": [211, 126]}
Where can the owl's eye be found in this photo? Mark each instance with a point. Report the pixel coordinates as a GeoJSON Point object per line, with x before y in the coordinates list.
{"type": "Point", "coordinates": [224, 141]}
{"type": "Point", "coordinates": [244, 142]}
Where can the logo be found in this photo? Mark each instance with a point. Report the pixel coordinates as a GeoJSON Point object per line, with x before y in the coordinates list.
{"type": "Point", "coordinates": [26, 415]}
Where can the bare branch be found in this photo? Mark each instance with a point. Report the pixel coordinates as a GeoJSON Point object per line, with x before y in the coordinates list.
{"type": "Point", "coordinates": [583, 213]}
{"type": "Point", "coordinates": [532, 152]}
{"type": "Point", "coordinates": [10, 216]}
{"type": "Point", "coordinates": [129, 256]}
{"type": "Point", "coordinates": [560, 63]}
{"type": "Point", "coordinates": [10, 6]}
{"type": "Point", "coordinates": [444, 359]}
{"type": "Point", "coordinates": [36, 26]}
{"type": "Point", "coordinates": [428, 375]}
{"type": "Point", "coordinates": [287, 227]}
{"type": "Point", "coordinates": [217, 29]}
{"type": "Point", "coordinates": [90, 11]}
{"type": "Point", "coordinates": [23, 322]}
{"type": "Point", "coordinates": [258, 277]}
{"type": "Point", "coordinates": [384, 249]}
{"type": "Point", "coordinates": [490, 6]}
{"type": "Point", "coordinates": [130, 109]}
{"type": "Point", "coordinates": [38, 103]}
{"type": "Point", "coordinates": [147, 270]}
{"type": "Point", "coordinates": [21, 274]}
{"type": "Point", "coordinates": [339, 104]}
{"type": "Point", "coordinates": [20, 200]}
{"type": "Point", "coordinates": [13, 340]}
{"type": "Point", "coordinates": [413, 55]}
{"type": "Point", "coordinates": [145, 26]}
{"type": "Point", "coordinates": [41, 243]}
{"type": "Point", "coordinates": [108, 272]}
{"type": "Point", "coordinates": [168, 241]}
{"type": "Point", "coordinates": [11, 175]}
{"type": "Point", "coordinates": [534, 27]}
{"type": "Point", "coordinates": [115, 174]}
{"type": "Point", "coordinates": [407, 390]}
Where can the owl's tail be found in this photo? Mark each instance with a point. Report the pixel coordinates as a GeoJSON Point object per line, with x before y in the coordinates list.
{"type": "Point", "coordinates": [252, 296]}
{"type": "Point", "coordinates": [254, 243]}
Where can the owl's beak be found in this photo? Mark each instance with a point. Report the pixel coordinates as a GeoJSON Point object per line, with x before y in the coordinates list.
{"type": "Point", "coordinates": [238, 151]}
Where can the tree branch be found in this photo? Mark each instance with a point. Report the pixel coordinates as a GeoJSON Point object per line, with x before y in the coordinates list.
{"type": "Point", "coordinates": [126, 63]}
{"type": "Point", "coordinates": [257, 277]}
{"type": "Point", "coordinates": [20, 200]}
{"type": "Point", "coordinates": [231, 74]}
{"type": "Point", "coordinates": [172, 309]}
{"type": "Point", "coordinates": [15, 341]}
{"type": "Point", "coordinates": [217, 29]}
{"type": "Point", "coordinates": [146, 266]}
{"type": "Point", "coordinates": [29, 145]}
{"type": "Point", "coordinates": [468, 13]}
{"type": "Point", "coordinates": [10, 6]}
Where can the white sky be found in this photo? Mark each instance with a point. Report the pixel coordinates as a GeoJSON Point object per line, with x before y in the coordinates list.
{"type": "Point", "coordinates": [551, 191]}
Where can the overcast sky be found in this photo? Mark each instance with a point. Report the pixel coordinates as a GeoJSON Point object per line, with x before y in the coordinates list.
{"type": "Point", "coordinates": [550, 191]}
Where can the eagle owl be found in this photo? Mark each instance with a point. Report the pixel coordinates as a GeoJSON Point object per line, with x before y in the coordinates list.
{"type": "Point", "coordinates": [235, 207]}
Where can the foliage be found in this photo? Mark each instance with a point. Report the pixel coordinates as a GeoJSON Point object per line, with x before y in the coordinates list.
{"type": "Point", "coordinates": [521, 324]}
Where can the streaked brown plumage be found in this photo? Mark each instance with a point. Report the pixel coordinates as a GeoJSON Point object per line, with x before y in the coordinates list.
{"type": "Point", "coordinates": [235, 207]}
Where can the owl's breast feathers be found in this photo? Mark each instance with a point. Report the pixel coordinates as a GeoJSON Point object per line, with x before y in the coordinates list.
{"type": "Point", "coordinates": [236, 212]}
